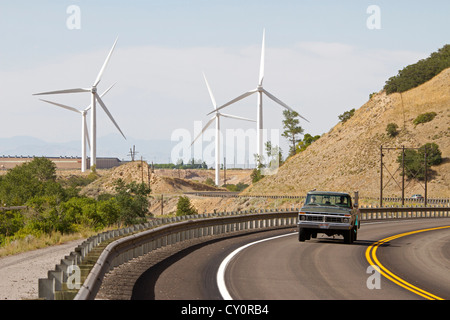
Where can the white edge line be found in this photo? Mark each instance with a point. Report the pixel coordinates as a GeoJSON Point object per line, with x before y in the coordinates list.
{"type": "Point", "coordinates": [223, 266]}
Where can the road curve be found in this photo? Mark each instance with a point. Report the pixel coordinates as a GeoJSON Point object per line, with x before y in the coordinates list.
{"type": "Point", "coordinates": [322, 268]}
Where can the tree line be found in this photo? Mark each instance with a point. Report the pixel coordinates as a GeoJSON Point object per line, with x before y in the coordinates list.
{"type": "Point", "coordinates": [420, 72]}
{"type": "Point", "coordinates": [57, 206]}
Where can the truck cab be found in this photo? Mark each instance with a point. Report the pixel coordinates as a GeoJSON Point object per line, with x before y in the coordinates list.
{"type": "Point", "coordinates": [331, 213]}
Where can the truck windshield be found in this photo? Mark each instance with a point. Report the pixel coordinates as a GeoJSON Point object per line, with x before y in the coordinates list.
{"type": "Point", "coordinates": [329, 200]}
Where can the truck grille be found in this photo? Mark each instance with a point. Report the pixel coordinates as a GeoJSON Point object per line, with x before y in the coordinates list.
{"type": "Point", "coordinates": [333, 219]}
{"type": "Point", "coordinates": [314, 218]}
{"type": "Point", "coordinates": [321, 218]}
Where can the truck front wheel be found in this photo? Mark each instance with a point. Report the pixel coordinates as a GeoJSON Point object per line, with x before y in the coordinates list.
{"type": "Point", "coordinates": [303, 235]}
{"type": "Point", "coordinates": [348, 236]}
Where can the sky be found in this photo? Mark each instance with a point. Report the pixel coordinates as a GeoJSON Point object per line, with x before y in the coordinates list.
{"type": "Point", "coordinates": [322, 58]}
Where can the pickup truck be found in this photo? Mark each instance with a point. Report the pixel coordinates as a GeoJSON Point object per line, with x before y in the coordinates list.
{"type": "Point", "coordinates": [331, 213]}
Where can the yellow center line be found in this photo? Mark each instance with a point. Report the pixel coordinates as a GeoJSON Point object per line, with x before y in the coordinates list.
{"type": "Point", "coordinates": [373, 261]}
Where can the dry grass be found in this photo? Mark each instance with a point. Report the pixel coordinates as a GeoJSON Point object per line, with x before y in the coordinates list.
{"type": "Point", "coordinates": [30, 242]}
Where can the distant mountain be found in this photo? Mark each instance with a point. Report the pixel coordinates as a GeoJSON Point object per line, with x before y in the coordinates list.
{"type": "Point", "coordinates": [158, 151]}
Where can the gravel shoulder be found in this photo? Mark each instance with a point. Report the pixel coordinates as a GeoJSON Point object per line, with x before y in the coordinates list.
{"type": "Point", "coordinates": [19, 273]}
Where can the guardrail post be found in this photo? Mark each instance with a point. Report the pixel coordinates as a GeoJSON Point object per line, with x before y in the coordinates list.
{"type": "Point", "coordinates": [46, 289]}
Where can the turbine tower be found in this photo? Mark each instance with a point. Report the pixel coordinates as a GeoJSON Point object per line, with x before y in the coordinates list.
{"type": "Point", "coordinates": [216, 118]}
{"type": "Point", "coordinates": [260, 90]}
{"type": "Point", "coordinates": [84, 131]}
{"type": "Point", "coordinates": [94, 98]}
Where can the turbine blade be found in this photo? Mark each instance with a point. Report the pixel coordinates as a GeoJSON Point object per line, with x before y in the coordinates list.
{"type": "Point", "coordinates": [62, 106]}
{"type": "Point", "coordinates": [204, 129]}
{"type": "Point", "coordinates": [107, 90]}
{"type": "Point", "coordinates": [235, 100]}
{"type": "Point", "coordinates": [210, 93]}
{"type": "Point", "coordinates": [77, 90]}
{"type": "Point", "coordinates": [109, 114]}
{"type": "Point", "coordinates": [261, 67]}
{"type": "Point", "coordinates": [100, 74]}
{"type": "Point", "coordinates": [236, 117]}
{"type": "Point", "coordinates": [271, 96]}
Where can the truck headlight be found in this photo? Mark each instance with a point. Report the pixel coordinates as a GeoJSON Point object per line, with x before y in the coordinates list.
{"type": "Point", "coordinates": [346, 220]}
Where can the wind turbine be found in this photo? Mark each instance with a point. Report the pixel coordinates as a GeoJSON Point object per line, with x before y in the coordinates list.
{"type": "Point", "coordinates": [94, 98]}
{"type": "Point", "coordinates": [260, 90]}
{"type": "Point", "coordinates": [216, 118]}
{"type": "Point", "coordinates": [84, 131]}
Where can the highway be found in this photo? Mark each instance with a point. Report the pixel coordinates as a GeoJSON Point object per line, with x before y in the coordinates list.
{"type": "Point", "coordinates": [282, 268]}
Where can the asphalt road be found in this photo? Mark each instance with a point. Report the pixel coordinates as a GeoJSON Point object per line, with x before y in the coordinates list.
{"type": "Point", "coordinates": [322, 268]}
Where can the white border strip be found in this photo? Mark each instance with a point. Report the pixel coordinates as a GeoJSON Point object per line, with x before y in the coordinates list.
{"type": "Point", "coordinates": [223, 266]}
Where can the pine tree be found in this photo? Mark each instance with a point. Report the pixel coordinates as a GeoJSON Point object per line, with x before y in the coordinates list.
{"type": "Point", "coordinates": [184, 207]}
{"type": "Point", "coordinates": [292, 129]}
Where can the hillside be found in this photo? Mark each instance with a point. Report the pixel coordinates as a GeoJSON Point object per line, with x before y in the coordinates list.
{"type": "Point", "coordinates": [347, 158]}
{"type": "Point", "coordinates": [178, 181]}
{"type": "Point", "coordinates": [162, 181]}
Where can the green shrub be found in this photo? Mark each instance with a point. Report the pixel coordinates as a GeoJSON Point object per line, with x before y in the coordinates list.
{"type": "Point", "coordinates": [414, 160]}
{"type": "Point", "coordinates": [391, 129]}
{"type": "Point", "coordinates": [424, 117]}
{"type": "Point", "coordinates": [236, 187]}
{"type": "Point", "coordinates": [256, 175]}
{"type": "Point", "coordinates": [306, 142]}
{"type": "Point", "coordinates": [132, 201]}
{"type": "Point", "coordinates": [184, 207]}
{"type": "Point", "coordinates": [434, 155]}
{"type": "Point", "coordinates": [346, 115]}
{"type": "Point", "coordinates": [210, 182]}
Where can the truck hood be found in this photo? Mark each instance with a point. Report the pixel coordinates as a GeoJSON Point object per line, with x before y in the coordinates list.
{"type": "Point", "coordinates": [326, 209]}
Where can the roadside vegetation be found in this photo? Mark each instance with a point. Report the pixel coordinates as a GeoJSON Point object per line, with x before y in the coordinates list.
{"type": "Point", "coordinates": [56, 210]}
{"type": "Point", "coordinates": [184, 207]}
{"type": "Point", "coordinates": [414, 161]}
{"type": "Point", "coordinates": [424, 118]}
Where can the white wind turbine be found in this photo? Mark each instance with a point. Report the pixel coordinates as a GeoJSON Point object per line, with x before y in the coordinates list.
{"type": "Point", "coordinates": [216, 118]}
{"type": "Point", "coordinates": [84, 131]}
{"type": "Point", "coordinates": [260, 90]}
{"type": "Point", "coordinates": [94, 98]}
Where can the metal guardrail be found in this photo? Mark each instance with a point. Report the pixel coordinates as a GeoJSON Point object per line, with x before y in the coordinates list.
{"type": "Point", "coordinates": [128, 243]}
{"type": "Point", "coordinates": [225, 194]}
{"type": "Point", "coordinates": [404, 212]}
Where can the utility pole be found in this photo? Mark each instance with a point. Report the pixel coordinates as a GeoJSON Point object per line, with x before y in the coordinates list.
{"type": "Point", "coordinates": [133, 153]}
{"type": "Point", "coordinates": [381, 177]}
{"type": "Point", "coordinates": [142, 171]}
{"type": "Point", "coordinates": [149, 174]}
{"type": "Point", "coordinates": [426, 178]}
{"type": "Point", "coordinates": [403, 175]}
{"type": "Point", "coordinates": [225, 171]}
